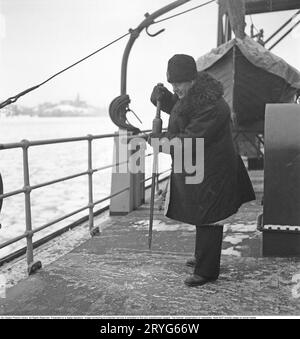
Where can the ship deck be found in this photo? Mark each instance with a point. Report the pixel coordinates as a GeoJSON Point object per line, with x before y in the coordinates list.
{"type": "Point", "coordinates": [115, 274]}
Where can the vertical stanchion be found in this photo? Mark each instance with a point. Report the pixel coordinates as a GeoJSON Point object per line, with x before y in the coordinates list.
{"type": "Point", "coordinates": [32, 267]}
{"type": "Point", "coordinates": [154, 168]}
{"type": "Point", "coordinates": [93, 230]}
{"type": "Point", "coordinates": [142, 175]}
{"type": "Point", "coordinates": [122, 179]}
{"type": "Point", "coordinates": [156, 130]}
{"type": "Point", "coordinates": [137, 167]}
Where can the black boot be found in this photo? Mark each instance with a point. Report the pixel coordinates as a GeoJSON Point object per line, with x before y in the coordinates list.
{"type": "Point", "coordinates": [196, 280]}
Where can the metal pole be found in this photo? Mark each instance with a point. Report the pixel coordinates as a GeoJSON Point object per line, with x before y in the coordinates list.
{"type": "Point", "coordinates": [135, 34]}
{"type": "Point", "coordinates": [32, 267]}
{"type": "Point", "coordinates": [90, 180]}
{"type": "Point", "coordinates": [284, 36]}
{"type": "Point", "coordinates": [27, 191]}
{"type": "Point", "coordinates": [154, 167]}
{"type": "Point", "coordinates": [93, 231]}
{"type": "Point", "coordinates": [282, 27]}
{"type": "Point", "coordinates": [220, 38]}
{"type": "Point", "coordinates": [157, 128]}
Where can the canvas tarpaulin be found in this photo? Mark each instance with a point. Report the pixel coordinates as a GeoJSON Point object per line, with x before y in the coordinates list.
{"type": "Point", "coordinates": [252, 77]}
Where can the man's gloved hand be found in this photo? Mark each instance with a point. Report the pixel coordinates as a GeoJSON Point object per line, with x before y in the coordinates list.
{"type": "Point", "coordinates": [159, 93]}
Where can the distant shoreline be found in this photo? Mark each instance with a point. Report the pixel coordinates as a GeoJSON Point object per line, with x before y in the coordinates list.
{"type": "Point", "coordinates": [16, 117]}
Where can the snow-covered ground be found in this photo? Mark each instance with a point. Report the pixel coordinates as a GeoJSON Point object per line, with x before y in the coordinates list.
{"type": "Point", "coordinates": [16, 270]}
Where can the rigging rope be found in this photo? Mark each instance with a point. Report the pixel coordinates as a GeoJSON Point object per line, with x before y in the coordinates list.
{"type": "Point", "coordinates": [83, 59]}
{"type": "Point", "coordinates": [284, 36]}
{"type": "Point", "coordinates": [291, 19]}
{"type": "Point", "coordinates": [13, 99]}
{"type": "Point", "coordinates": [184, 12]}
{"type": "Point", "coordinates": [16, 97]}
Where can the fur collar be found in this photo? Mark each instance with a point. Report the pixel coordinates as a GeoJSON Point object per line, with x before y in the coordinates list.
{"type": "Point", "coordinates": [205, 92]}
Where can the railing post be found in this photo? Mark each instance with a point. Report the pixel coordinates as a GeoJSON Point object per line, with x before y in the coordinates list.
{"type": "Point", "coordinates": [93, 230]}
{"type": "Point", "coordinates": [32, 266]}
{"type": "Point", "coordinates": [123, 203]}
{"type": "Point", "coordinates": [139, 178]}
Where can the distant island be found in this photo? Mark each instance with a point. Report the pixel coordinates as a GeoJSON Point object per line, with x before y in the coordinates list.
{"type": "Point", "coordinates": [64, 108]}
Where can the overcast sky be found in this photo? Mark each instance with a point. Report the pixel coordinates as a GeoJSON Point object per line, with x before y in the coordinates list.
{"type": "Point", "coordinates": [39, 37]}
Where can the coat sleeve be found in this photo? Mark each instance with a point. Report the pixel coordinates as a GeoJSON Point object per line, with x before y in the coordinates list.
{"type": "Point", "coordinates": [168, 102]}
{"type": "Point", "coordinates": [207, 123]}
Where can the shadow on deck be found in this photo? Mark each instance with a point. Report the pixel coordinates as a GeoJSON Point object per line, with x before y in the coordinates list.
{"type": "Point", "coordinates": [116, 274]}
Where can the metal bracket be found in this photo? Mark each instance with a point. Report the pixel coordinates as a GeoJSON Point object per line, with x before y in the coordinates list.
{"type": "Point", "coordinates": [34, 267]}
{"type": "Point", "coordinates": [260, 225]}
{"type": "Point", "coordinates": [152, 35]}
{"type": "Point", "coordinates": [94, 232]}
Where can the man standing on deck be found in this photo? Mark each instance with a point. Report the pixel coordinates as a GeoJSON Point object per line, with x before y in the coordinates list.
{"type": "Point", "coordinates": [198, 110]}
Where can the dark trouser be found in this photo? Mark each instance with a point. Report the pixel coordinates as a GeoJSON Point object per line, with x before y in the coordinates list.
{"type": "Point", "coordinates": [208, 251]}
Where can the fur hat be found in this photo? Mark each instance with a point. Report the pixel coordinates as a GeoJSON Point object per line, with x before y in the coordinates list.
{"type": "Point", "coordinates": [181, 68]}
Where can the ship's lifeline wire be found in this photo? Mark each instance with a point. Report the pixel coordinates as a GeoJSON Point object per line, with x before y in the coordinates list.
{"type": "Point", "coordinates": [16, 97]}
{"type": "Point", "coordinates": [184, 12]}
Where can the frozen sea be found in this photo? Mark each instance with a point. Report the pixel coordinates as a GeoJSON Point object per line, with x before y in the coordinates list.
{"type": "Point", "coordinates": [49, 163]}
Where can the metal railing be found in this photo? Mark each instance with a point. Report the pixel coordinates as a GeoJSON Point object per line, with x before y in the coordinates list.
{"type": "Point", "coordinates": [27, 189]}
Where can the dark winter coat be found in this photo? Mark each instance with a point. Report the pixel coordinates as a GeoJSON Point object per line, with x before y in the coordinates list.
{"type": "Point", "coordinates": [203, 113]}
